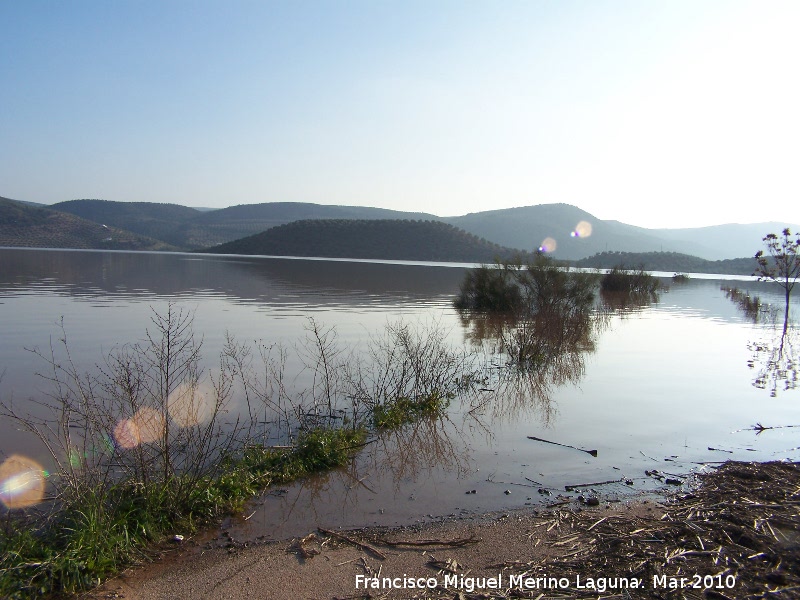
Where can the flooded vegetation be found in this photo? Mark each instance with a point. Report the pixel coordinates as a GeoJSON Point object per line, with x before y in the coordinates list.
{"type": "Point", "coordinates": [141, 448]}
{"type": "Point", "coordinates": [537, 385]}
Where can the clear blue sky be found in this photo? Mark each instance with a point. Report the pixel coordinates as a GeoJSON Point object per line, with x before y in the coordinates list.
{"type": "Point", "coordinates": [659, 114]}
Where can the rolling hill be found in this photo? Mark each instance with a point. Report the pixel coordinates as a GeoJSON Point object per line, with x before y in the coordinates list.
{"type": "Point", "coordinates": [523, 227]}
{"type": "Point", "coordinates": [23, 225]}
{"type": "Point", "coordinates": [160, 221]}
{"type": "Point", "coordinates": [193, 229]}
{"type": "Point", "coordinates": [389, 239]}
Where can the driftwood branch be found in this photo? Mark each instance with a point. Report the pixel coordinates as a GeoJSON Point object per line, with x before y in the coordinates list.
{"type": "Point", "coordinates": [457, 543]}
{"type": "Point", "coordinates": [536, 439]}
{"type": "Point", "coordinates": [363, 546]}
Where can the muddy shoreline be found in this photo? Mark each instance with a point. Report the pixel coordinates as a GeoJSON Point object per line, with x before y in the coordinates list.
{"type": "Point", "coordinates": [735, 536]}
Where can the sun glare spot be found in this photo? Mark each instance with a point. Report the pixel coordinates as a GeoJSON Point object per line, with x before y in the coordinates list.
{"type": "Point", "coordinates": [147, 425]}
{"type": "Point", "coordinates": [150, 424]}
{"type": "Point", "coordinates": [126, 434]}
{"type": "Point", "coordinates": [582, 230]}
{"type": "Point", "coordinates": [21, 482]}
{"type": "Point", "coordinates": [548, 245]}
{"type": "Point", "coordinates": [190, 405]}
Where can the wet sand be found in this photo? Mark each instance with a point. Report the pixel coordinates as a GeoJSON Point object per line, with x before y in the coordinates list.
{"type": "Point", "coordinates": [736, 536]}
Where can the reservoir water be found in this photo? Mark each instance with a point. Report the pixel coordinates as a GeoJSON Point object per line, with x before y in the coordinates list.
{"type": "Point", "coordinates": [667, 385]}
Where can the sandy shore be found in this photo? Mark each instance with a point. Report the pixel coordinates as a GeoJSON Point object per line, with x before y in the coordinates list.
{"type": "Point", "coordinates": [736, 536]}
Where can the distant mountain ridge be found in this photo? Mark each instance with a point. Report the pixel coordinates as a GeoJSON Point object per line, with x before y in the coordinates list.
{"type": "Point", "coordinates": [387, 239]}
{"type": "Point", "coordinates": [194, 229]}
{"type": "Point", "coordinates": [527, 227]}
{"type": "Point", "coordinates": [23, 225]}
{"type": "Point", "coordinates": [522, 227]}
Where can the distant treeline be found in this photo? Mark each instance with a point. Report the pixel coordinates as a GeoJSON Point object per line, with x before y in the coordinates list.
{"type": "Point", "coordinates": [391, 239]}
{"type": "Point", "coordinates": [669, 261]}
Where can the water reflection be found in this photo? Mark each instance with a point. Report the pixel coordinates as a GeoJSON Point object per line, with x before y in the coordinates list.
{"type": "Point", "coordinates": [773, 357]}
{"type": "Point", "coordinates": [622, 302]}
{"type": "Point", "coordinates": [406, 452]}
{"type": "Point", "coordinates": [100, 275]}
{"type": "Point", "coordinates": [776, 363]}
{"type": "Point", "coordinates": [751, 306]}
{"type": "Point", "coordinates": [393, 478]}
{"type": "Point", "coordinates": [536, 355]}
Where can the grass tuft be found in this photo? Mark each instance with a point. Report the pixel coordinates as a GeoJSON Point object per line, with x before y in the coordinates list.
{"type": "Point", "coordinates": [400, 411]}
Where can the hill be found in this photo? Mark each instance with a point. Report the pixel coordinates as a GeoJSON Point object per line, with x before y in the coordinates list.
{"type": "Point", "coordinates": [527, 226]}
{"type": "Point", "coordinates": [390, 239]}
{"type": "Point", "coordinates": [26, 202]}
{"type": "Point", "coordinates": [232, 223]}
{"type": "Point", "coordinates": [523, 227]}
{"type": "Point", "coordinates": [23, 225]}
{"type": "Point", "coordinates": [191, 228]}
{"type": "Point", "coordinates": [669, 261]}
{"type": "Point", "coordinates": [167, 222]}
{"type": "Point", "coordinates": [725, 241]}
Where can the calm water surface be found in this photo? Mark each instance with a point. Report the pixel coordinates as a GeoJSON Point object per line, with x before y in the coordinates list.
{"type": "Point", "coordinates": [661, 385]}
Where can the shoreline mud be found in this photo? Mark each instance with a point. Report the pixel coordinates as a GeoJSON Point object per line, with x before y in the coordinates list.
{"type": "Point", "coordinates": [736, 535]}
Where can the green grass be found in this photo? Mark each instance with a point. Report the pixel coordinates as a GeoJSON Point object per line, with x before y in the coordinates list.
{"type": "Point", "coordinates": [400, 411]}
{"type": "Point", "coordinates": [93, 536]}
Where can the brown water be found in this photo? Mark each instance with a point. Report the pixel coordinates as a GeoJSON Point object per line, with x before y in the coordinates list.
{"type": "Point", "coordinates": [652, 387]}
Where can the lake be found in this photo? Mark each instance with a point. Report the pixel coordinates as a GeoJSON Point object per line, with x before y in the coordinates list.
{"type": "Point", "coordinates": [667, 385]}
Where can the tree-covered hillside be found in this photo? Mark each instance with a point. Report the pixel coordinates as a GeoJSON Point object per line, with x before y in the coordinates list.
{"type": "Point", "coordinates": [167, 222]}
{"type": "Point", "coordinates": [190, 228]}
{"type": "Point", "coordinates": [23, 225]}
{"type": "Point", "coordinates": [234, 222]}
{"type": "Point", "coordinates": [378, 239]}
{"type": "Point", "coordinates": [669, 261]}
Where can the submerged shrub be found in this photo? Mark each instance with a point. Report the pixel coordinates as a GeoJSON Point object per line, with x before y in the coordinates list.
{"type": "Point", "coordinates": [493, 288]}
{"type": "Point", "coordinates": [636, 281]}
{"type": "Point", "coordinates": [551, 311]}
{"type": "Point", "coordinates": [525, 288]}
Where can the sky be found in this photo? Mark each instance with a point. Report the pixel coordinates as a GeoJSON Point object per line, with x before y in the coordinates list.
{"type": "Point", "coordinates": [654, 113]}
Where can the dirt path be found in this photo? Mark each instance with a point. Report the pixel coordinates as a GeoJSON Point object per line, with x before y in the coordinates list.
{"type": "Point", "coordinates": [737, 536]}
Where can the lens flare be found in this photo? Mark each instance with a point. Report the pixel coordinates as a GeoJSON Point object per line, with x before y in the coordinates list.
{"type": "Point", "coordinates": [126, 434]}
{"type": "Point", "coordinates": [150, 424]}
{"type": "Point", "coordinates": [548, 245]}
{"type": "Point", "coordinates": [191, 405]}
{"type": "Point", "coordinates": [147, 425]}
{"type": "Point", "coordinates": [582, 230]}
{"type": "Point", "coordinates": [21, 482]}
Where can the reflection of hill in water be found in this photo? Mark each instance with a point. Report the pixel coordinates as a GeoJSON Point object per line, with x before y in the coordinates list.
{"type": "Point", "coordinates": [128, 275]}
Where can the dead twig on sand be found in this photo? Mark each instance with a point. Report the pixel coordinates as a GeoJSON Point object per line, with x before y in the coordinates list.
{"type": "Point", "coordinates": [569, 488]}
{"type": "Point", "coordinates": [363, 546]}
{"type": "Point", "coordinates": [452, 543]}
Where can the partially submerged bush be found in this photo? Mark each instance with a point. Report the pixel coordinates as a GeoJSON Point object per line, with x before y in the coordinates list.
{"type": "Point", "coordinates": [633, 281]}
{"type": "Point", "coordinates": [524, 289]}
{"type": "Point", "coordinates": [551, 307]}
{"type": "Point", "coordinates": [494, 288]}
